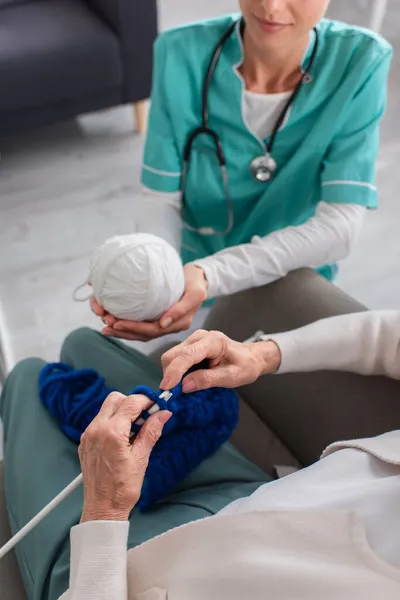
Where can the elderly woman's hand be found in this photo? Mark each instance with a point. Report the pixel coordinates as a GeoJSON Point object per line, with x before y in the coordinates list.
{"type": "Point", "coordinates": [178, 318]}
{"type": "Point", "coordinates": [113, 468]}
{"type": "Point", "coordinates": [232, 364]}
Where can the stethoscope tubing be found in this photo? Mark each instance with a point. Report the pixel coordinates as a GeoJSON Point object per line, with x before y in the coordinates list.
{"type": "Point", "coordinates": [258, 163]}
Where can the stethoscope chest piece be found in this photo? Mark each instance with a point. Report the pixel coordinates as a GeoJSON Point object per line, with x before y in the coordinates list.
{"type": "Point", "coordinates": [263, 168]}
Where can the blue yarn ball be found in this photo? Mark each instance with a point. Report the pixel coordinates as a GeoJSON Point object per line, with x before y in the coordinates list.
{"type": "Point", "coordinates": [201, 422]}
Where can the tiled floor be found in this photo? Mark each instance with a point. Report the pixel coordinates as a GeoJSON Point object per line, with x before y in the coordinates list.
{"type": "Point", "coordinates": [65, 189]}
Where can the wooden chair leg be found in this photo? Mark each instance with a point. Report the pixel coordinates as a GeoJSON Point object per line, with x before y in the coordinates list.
{"type": "Point", "coordinates": [141, 110]}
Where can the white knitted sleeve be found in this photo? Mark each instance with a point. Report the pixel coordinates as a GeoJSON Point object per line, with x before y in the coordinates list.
{"type": "Point", "coordinates": [98, 561]}
{"type": "Point", "coordinates": [366, 343]}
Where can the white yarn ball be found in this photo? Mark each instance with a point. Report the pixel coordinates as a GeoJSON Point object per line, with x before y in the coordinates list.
{"type": "Point", "coordinates": [136, 277]}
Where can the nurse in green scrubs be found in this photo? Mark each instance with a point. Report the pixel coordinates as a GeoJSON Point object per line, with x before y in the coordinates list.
{"type": "Point", "coordinates": [286, 85]}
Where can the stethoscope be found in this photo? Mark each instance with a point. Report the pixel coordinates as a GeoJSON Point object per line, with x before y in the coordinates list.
{"type": "Point", "coordinates": [262, 168]}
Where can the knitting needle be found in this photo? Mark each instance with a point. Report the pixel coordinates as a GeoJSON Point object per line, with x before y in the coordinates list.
{"type": "Point", "coordinates": [155, 408]}
{"type": "Point", "coordinates": [40, 516]}
{"type": "Point", "coordinates": [62, 495]}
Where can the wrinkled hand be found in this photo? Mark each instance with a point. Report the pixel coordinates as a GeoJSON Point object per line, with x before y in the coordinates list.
{"type": "Point", "coordinates": [178, 318]}
{"type": "Point", "coordinates": [114, 468]}
{"type": "Point", "coordinates": [232, 364]}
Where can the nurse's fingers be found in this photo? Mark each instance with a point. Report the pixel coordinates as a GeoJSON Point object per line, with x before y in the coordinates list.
{"type": "Point", "coordinates": [143, 328]}
{"type": "Point", "coordinates": [189, 303]}
{"type": "Point", "coordinates": [152, 330]}
{"type": "Point", "coordinates": [109, 320]}
{"type": "Point", "coordinates": [121, 335]}
{"type": "Point", "coordinates": [96, 308]}
{"type": "Point", "coordinates": [144, 332]}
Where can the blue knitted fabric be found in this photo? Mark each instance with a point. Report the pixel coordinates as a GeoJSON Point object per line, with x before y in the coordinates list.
{"type": "Point", "coordinates": [201, 422]}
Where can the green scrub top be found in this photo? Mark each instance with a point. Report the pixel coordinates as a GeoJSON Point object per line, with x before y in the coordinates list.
{"type": "Point", "coordinates": [326, 150]}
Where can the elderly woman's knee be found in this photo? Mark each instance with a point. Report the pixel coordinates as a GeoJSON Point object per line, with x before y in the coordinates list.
{"type": "Point", "coordinates": [25, 369]}
{"type": "Point", "coordinates": [77, 341]}
{"type": "Point", "coordinates": [25, 373]}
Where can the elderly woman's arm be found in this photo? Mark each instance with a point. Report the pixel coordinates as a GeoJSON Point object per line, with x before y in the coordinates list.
{"type": "Point", "coordinates": [366, 343]}
{"type": "Point", "coordinates": [99, 544]}
{"type": "Point", "coordinates": [98, 561]}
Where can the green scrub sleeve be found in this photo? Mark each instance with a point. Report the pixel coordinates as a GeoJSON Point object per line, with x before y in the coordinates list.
{"type": "Point", "coordinates": [349, 168]}
{"type": "Point", "coordinates": [162, 166]}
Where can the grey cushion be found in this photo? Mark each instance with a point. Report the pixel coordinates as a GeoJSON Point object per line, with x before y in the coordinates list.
{"type": "Point", "coordinates": [11, 587]}
{"type": "Point", "coordinates": [4, 3]}
{"type": "Point", "coordinates": [53, 50]}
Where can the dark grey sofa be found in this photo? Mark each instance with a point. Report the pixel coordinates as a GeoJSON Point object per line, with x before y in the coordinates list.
{"type": "Point", "coordinates": [285, 419]}
{"type": "Point", "coordinates": [62, 58]}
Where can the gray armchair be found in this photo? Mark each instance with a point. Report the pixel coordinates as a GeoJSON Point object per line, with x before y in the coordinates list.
{"type": "Point", "coordinates": [287, 419]}
{"type": "Point", "coordinates": [62, 58]}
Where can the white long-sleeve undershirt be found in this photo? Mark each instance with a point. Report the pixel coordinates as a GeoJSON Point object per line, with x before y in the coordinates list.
{"type": "Point", "coordinates": [325, 238]}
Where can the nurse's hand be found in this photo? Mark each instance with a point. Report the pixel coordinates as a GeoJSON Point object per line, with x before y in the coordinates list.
{"type": "Point", "coordinates": [178, 318]}
{"type": "Point", "coordinates": [232, 364]}
{"type": "Point", "coordinates": [96, 308]}
{"type": "Point", "coordinates": [113, 468]}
